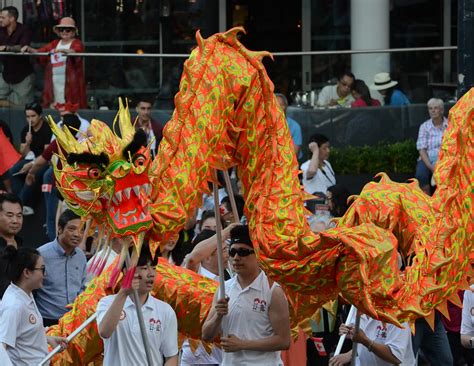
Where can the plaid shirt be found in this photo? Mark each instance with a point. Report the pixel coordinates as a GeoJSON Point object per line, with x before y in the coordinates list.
{"type": "Point", "coordinates": [430, 137]}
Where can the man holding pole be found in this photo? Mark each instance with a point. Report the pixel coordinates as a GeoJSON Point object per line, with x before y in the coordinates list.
{"type": "Point", "coordinates": [118, 322]}
{"type": "Point", "coordinates": [253, 321]}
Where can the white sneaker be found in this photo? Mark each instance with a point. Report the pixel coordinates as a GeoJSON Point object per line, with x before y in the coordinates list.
{"type": "Point", "coordinates": [28, 211]}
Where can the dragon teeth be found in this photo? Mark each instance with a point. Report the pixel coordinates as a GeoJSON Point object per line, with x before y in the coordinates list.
{"type": "Point", "coordinates": [118, 197]}
{"type": "Point", "coordinates": [142, 216]}
{"type": "Point", "coordinates": [116, 217]}
{"type": "Point", "coordinates": [127, 192]}
{"type": "Point", "coordinates": [136, 189]}
{"type": "Point", "coordinates": [85, 195]}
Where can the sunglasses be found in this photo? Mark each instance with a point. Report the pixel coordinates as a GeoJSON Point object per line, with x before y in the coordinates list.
{"type": "Point", "coordinates": [242, 252]}
{"type": "Point", "coordinates": [64, 29]}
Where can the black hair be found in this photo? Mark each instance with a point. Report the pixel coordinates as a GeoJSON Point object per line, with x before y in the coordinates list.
{"type": "Point", "coordinates": [346, 73]}
{"type": "Point", "coordinates": [6, 130]}
{"type": "Point", "coordinates": [101, 160]}
{"type": "Point", "coordinates": [17, 260]}
{"type": "Point", "coordinates": [361, 88]}
{"type": "Point", "coordinates": [319, 139]}
{"type": "Point", "coordinates": [143, 99]}
{"type": "Point", "coordinates": [239, 202]}
{"type": "Point", "coordinates": [203, 235]}
{"type": "Point", "coordinates": [72, 122]}
{"type": "Point", "coordinates": [65, 217]}
{"type": "Point", "coordinates": [240, 234]}
{"type": "Point", "coordinates": [12, 11]}
{"type": "Point", "coordinates": [9, 197]}
{"type": "Point", "coordinates": [146, 256]}
{"type": "Point", "coordinates": [139, 140]}
{"type": "Point", "coordinates": [35, 106]}
{"type": "Point", "coordinates": [340, 194]}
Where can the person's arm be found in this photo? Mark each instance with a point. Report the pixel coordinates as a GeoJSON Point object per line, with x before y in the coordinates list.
{"type": "Point", "coordinates": [205, 248]}
{"type": "Point", "coordinates": [341, 360]}
{"type": "Point", "coordinates": [466, 341]}
{"type": "Point", "coordinates": [424, 157]}
{"type": "Point", "coordinates": [212, 326]}
{"type": "Point", "coordinates": [422, 146]}
{"type": "Point", "coordinates": [280, 322]}
{"type": "Point", "coordinates": [314, 162]}
{"type": "Point", "coordinates": [171, 361]}
{"type": "Point", "coordinates": [467, 326]}
{"type": "Point", "coordinates": [37, 165]}
{"type": "Point", "coordinates": [109, 322]}
{"type": "Point", "coordinates": [380, 350]}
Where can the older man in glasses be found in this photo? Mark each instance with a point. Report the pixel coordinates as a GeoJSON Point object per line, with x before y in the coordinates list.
{"type": "Point", "coordinates": [253, 319]}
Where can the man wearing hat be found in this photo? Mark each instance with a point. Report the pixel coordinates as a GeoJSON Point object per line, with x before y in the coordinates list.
{"type": "Point", "coordinates": [386, 86]}
{"type": "Point", "coordinates": [17, 79]}
{"type": "Point", "coordinates": [253, 320]}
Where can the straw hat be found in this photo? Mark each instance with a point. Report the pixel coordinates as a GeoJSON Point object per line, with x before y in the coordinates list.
{"type": "Point", "coordinates": [383, 81]}
{"type": "Point", "coordinates": [66, 22]}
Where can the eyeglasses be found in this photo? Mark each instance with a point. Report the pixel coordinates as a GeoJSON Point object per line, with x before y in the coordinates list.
{"type": "Point", "coordinates": [242, 252]}
{"type": "Point", "coordinates": [42, 269]}
{"type": "Point", "coordinates": [65, 29]}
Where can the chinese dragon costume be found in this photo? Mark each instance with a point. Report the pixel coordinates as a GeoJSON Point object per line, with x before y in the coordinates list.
{"type": "Point", "coordinates": [226, 115]}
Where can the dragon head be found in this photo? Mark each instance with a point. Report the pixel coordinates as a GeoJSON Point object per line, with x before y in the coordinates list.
{"type": "Point", "coordinates": [106, 175]}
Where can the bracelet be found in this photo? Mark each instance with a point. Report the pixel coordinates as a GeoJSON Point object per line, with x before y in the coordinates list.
{"type": "Point", "coordinates": [371, 344]}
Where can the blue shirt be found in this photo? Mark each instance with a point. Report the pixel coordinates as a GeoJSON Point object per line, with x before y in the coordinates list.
{"type": "Point", "coordinates": [398, 98]}
{"type": "Point", "coordinates": [65, 279]}
{"type": "Point", "coordinates": [296, 135]}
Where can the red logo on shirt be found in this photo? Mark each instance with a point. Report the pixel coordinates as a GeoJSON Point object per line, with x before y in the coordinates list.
{"type": "Point", "coordinates": [381, 332]}
{"type": "Point", "coordinates": [154, 325]}
{"type": "Point", "coordinates": [259, 305]}
{"type": "Point", "coordinates": [32, 319]}
{"type": "Point", "coordinates": [123, 315]}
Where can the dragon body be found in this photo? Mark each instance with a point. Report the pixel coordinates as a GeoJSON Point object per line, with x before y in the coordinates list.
{"type": "Point", "coordinates": [226, 115]}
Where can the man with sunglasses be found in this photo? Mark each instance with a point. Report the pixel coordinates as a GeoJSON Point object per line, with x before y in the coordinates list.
{"type": "Point", "coordinates": [253, 320]}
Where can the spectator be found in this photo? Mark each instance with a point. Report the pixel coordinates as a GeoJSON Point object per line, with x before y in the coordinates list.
{"type": "Point", "coordinates": [11, 222]}
{"type": "Point", "coordinates": [467, 325]}
{"type": "Point", "coordinates": [386, 86]}
{"type": "Point", "coordinates": [254, 317]}
{"type": "Point", "coordinates": [429, 141]}
{"type": "Point", "coordinates": [35, 137]}
{"type": "Point", "coordinates": [69, 265]}
{"type": "Point", "coordinates": [71, 108]}
{"type": "Point", "coordinates": [226, 210]}
{"type": "Point", "coordinates": [16, 82]}
{"type": "Point", "coordinates": [21, 327]}
{"type": "Point", "coordinates": [337, 196]}
{"type": "Point", "coordinates": [380, 344]}
{"type": "Point", "coordinates": [152, 128]}
{"type": "Point", "coordinates": [63, 76]}
{"type": "Point", "coordinates": [208, 221]}
{"type": "Point", "coordinates": [338, 95]}
{"type": "Point", "coordinates": [117, 322]}
{"type": "Point", "coordinates": [318, 175]}
{"type": "Point", "coordinates": [361, 94]}
{"type": "Point", "coordinates": [295, 128]}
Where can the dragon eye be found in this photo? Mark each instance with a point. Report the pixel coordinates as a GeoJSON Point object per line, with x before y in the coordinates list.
{"type": "Point", "coordinates": [94, 173]}
{"type": "Point", "coordinates": [139, 160]}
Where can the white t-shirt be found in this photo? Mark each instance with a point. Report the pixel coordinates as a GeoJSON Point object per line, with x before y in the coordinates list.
{"type": "Point", "coordinates": [467, 322]}
{"type": "Point", "coordinates": [58, 65]}
{"type": "Point", "coordinates": [398, 340]}
{"type": "Point", "coordinates": [21, 328]}
{"type": "Point", "coordinates": [321, 181]}
{"type": "Point", "coordinates": [248, 319]}
{"type": "Point", "coordinates": [125, 346]}
{"type": "Point", "coordinates": [330, 92]}
{"type": "Point", "coordinates": [200, 356]}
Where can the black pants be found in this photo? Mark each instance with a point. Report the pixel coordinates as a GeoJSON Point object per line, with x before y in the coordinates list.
{"type": "Point", "coordinates": [50, 322]}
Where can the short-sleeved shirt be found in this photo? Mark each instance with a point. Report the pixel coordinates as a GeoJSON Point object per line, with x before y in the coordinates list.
{"type": "Point", "coordinates": [16, 68]}
{"type": "Point", "coordinates": [330, 92]}
{"type": "Point", "coordinates": [39, 138]}
{"type": "Point", "coordinates": [467, 322]}
{"type": "Point", "coordinates": [248, 318]}
{"type": "Point", "coordinates": [321, 181]}
{"type": "Point", "coordinates": [398, 98]}
{"type": "Point", "coordinates": [125, 345]}
{"type": "Point", "coordinates": [21, 328]}
{"type": "Point", "coordinates": [65, 279]}
{"type": "Point", "coordinates": [296, 135]}
{"type": "Point", "coordinates": [398, 340]}
{"type": "Point", "coordinates": [430, 138]}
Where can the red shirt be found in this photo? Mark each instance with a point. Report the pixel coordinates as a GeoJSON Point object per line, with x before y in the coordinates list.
{"type": "Point", "coordinates": [361, 103]}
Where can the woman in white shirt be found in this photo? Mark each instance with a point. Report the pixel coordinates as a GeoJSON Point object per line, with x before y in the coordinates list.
{"type": "Point", "coordinates": [318, 175]}
{"type": "Point", "coordinates": [22, 334]}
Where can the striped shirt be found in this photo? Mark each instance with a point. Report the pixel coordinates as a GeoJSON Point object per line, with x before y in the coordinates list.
{"type": "Point", "coordinates": [430, 137]}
